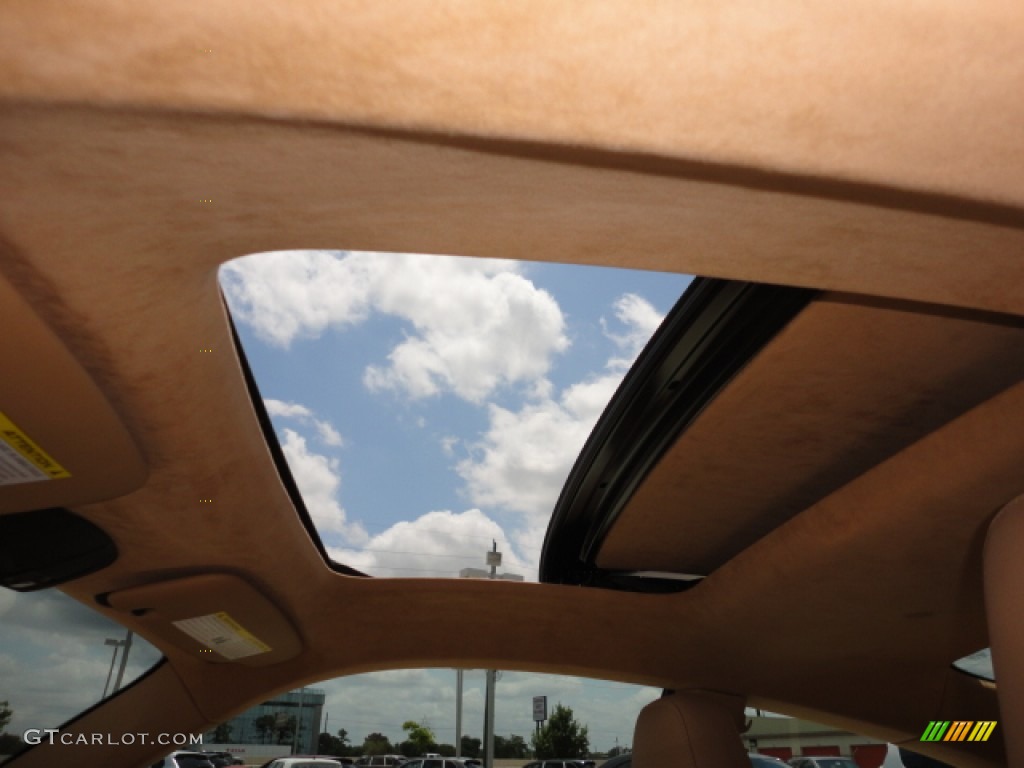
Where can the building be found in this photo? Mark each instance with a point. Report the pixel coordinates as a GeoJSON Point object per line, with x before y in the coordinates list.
{"type": "Point", "coordinates": [271, 721]}
{"type": "Point", "coordinates": [480, 573]}
{"type": "Point", "coordinates": [785, 737]}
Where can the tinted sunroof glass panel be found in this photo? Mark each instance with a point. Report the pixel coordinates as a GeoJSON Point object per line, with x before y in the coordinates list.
{"type": "Point", "coordinates": [430, 407]}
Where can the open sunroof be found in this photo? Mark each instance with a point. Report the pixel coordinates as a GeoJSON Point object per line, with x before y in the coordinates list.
{"type": "Point", "coordinates": [426, 409]}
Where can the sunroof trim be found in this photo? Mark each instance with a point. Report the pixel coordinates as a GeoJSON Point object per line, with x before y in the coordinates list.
{"type": "Point", "coordinates": [280, 462]}
{"type": "Point", "coordinates": [711, 333]}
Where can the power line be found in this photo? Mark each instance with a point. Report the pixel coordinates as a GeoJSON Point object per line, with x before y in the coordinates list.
{"type": "Point", "coordinates": [417, 554]}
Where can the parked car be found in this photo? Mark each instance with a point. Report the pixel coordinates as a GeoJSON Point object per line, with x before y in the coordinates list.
{"type": "Point", "coordinates": [765, 761]}
{"type": "Point", "coordinates": [298, 761]}
{"type": "Point", "coordinates": [437, 762]}
{"type": "Point", "coordinates": [304, 759]}
{"type": "Point", "coordinates": [222, 759]}
{"type": "Point", "coordinates": [822, 761]}
{"type": "Point", "coordinates": [375, 761]}
{"type": "Point", "coordinates": [561, 763]}
{"type": "Point", "coordinates": [184, 759]}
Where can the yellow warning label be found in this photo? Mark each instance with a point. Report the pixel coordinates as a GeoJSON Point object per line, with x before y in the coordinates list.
{"type": "Point", "coordinates": [223, 635]}
{"type": "Point", "coordinates": [22, 460]}
{"type": "Point", "coordinates": [243, 632]}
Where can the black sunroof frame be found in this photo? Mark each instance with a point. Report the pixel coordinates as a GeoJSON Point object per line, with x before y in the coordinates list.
{"type": "Point", "coordinates": [713, 331]}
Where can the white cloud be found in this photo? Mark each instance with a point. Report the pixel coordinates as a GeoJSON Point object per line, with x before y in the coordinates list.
{"type": "Point", "coordinates": [319, 480]}
{"type": "Point", "coordinates": [521, 462]}
{"type": "Point", "coordinates": [328, 434]}
{"type": "Point", "coordinates": [296, 294]}
{"type": "Point", "coordinates": [475, 324]}
{"type": "Point", "coordinates": [475, 329]}
{"type": "Point", "coordinates": [303, 415]}
{"type": "Point", "coordinates": [287, 410]}
{"type": "Point", "coordinates": [437, 544]}
{"type": "Point", "coordinates": [448, 444]}
{"type": "Point", "coordinates": [523, 459]}
{"type": "Point", "coordinates": [640, 319]}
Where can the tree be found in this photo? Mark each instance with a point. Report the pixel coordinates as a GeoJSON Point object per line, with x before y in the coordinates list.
{"type": "Point", "coordinates": [285, 729]}
{"type": "Point", "coordinates": [511, 747]}
{"type": "Point", "coordinates": [470, 746]}
{"type": "Point", "coordinates": [326, 744]}
{"type": "Point", "coordinates": [222, 733]}
{"type": "Point", "coordinates": [10, 744]}
{"type": "Point", "coordinates": [561, 736]}
{"type": "Point", "coordinates": [6, 713]}
{"type": "Point", "coordinates": [266, 725]}
{"type": "Point", "coordinates": [409, 749]}
{"type": "Point", "coordinates": [422, 738]}
{"type": "Point", "coordinates": [377, 744]}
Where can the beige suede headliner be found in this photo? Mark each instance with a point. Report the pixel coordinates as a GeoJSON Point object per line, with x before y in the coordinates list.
{"type": "Point", "coordinates": [862, 147]}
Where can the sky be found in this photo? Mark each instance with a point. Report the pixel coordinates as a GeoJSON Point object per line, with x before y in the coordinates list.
{"type": "Point", "coordinates": [480, 378]}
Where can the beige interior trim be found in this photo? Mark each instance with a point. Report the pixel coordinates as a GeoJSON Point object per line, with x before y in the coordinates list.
{"type": "Point", "coordinates": [128, 727]}
{"type": "Point", "coordinates": [847, 384]}
{"type": "Point", "coordinates": [48, 399]}
{"type": "Point", "coordinates": [870, 148]}
{"type": "Point", "coordinates": [690, 729]}
{"type": "Point", "coordinates": [238, 623]}
{"type": "Point", "coordinates": [923, 96]}
{"type": "Point", "coordinates": [1004, 582]}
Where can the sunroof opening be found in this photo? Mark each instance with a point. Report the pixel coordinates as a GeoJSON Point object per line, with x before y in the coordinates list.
{"type": "Point", "coordinates": [430, 408]}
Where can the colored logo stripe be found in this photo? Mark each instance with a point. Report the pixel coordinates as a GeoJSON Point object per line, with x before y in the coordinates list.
{"type": "Point", "coordinates": [958, 730]}
{"type": "Point", "coordinates": [982, 731]}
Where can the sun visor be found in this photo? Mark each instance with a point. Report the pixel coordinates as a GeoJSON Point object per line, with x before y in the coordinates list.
{"type": "Point", "coordinates": [61, 444]}
{"type": "Point", "coordinates": [219, 618]}
{"type": "Point", "coordinates": [47, 547]}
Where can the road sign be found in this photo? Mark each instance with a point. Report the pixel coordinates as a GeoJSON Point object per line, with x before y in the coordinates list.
{"type": "Point", "coordinates": [540, 709]}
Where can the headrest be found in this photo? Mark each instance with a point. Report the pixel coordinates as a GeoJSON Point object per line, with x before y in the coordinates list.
{"type": "Point", "coordinates": [690, 729]}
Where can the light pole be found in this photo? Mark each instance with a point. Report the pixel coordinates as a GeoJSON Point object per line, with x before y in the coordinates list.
{"type": "Point", "coordinates": [298, 722]}
{"type": "Point", "coordinates": [116, 644]}
{"type": "Point", "coordinates": [493, 560]}
{"type": "Point", "coordinates": [127, 643]}
{"type": "Point", "coordinates": [458, 713]}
